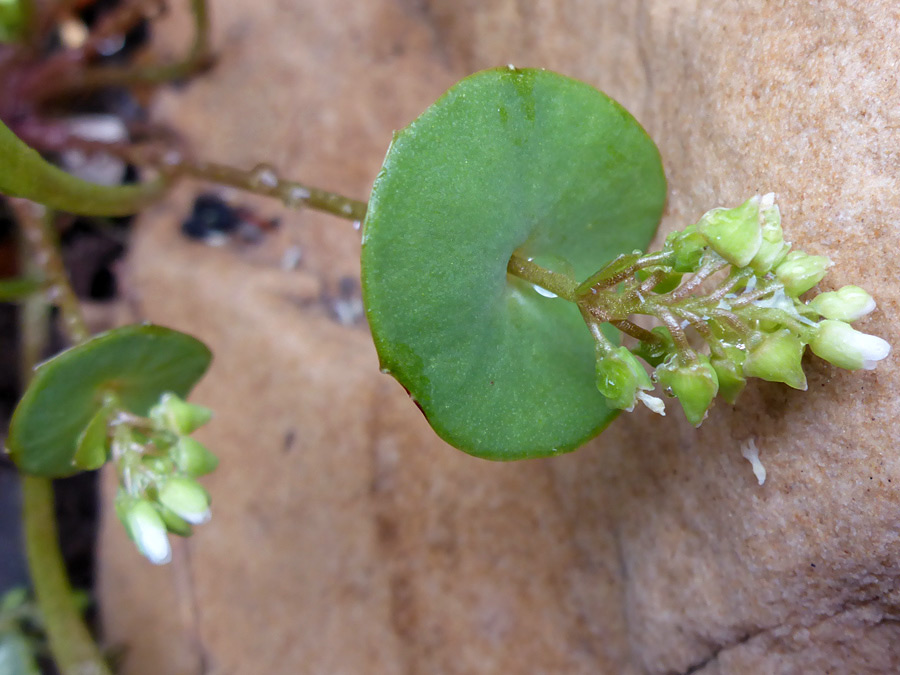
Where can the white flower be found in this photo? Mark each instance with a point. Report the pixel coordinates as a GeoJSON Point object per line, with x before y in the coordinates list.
{"type": "Point", "coordinates": [148, 531]}
{"type": "Point", "coordinates": [847, 347]}
{"type": "Point", "coordinates": [845, 304]}
{"type": "Point", "coordinates": [186, 498]}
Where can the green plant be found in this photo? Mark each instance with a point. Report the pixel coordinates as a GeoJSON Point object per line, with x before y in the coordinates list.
{"type": "Point", "coordinates": [502, 263]}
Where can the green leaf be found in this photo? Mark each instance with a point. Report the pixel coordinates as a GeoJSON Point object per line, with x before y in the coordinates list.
{"type": "Point", "coordinates": [24, 173]}
{"type": "Point", "coordinates": [91, 450]}
{"type": "Point", "coordinates": [507, 160]}
{"type": "Point", "coordinates": [136, 363]}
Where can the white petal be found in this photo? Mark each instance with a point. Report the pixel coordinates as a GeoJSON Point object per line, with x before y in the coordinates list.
{"type": "Point", "coordinates": [872, 349]}
{"type": "Point", "coordinates": [655, 404]}
{"type": "Point", "coordinates": [751, 454]}
{"type": "Point", "coordinates": [153, 543]}
{"type": "Point", "coordinates": [197, 518]}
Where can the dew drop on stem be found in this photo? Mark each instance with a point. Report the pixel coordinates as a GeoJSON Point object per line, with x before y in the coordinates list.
{"type": "Point", "coordinates": [263, 176]}
{"type": "Point", "coordinates": [296, 196]}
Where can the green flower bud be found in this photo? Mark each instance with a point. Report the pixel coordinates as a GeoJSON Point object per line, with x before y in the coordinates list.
{"type": "Point", "coordinates": [799, 272]}
{"type": "Point", "coordinates": [845, 304]}
{"type": "Point", "coordinates": [186, 498]}
{"type": "Point", "coordinates": [846, 347]}
{"type": "Point", "coordinates": [735, 233]}
{"type": "Point", "coordinates": [655, 354]}
{"type": "Point", "coordinates": [729, 373]}
{"type": "Point", "coordinates": [694, 384]}
{"type": "Point", "coordinates": [772, 249]}
{"type": "Point", "coordinates": [160, 466]}
{"type": "Point", "coordinates": [174, 523]}
{"type": "Point", "coordinates": [179, 416]}
{"type": "Point", "coordinates": [92, 449]}
{"type": "Point", "coordinates": [689, 246]}
{"type": "Point", "coordinates": [776, 358]}
{"type": "Point", "coordinates": [620, 376]}
{"type": "Point", "coordinates": [669, 282]}
{"type": "Point", "coordinates": [146, 528]}
{"type": "Point", "coordinates": [193, 457]}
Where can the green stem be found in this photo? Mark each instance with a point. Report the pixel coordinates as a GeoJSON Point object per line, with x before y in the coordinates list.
{"type": "Point", "coordinates": [263, 180]}
{"type": "Point", "coordinates": [560, 284]}
{"type": "Point", "coordinates": [637, 332]}
{"type": "Point", "coordinates": [19, 288]}
{"type": "Point", "coordinates": [71, 644]}
{"type": "Point", "coordinates": [74, 651]}
{"type": "Point", "coordinates": [37, 226]}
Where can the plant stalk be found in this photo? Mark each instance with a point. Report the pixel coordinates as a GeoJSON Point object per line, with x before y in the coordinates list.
{"type": "Point", "coordinates": [556, 283]}
{"type": "Point", "coordinates": [74, 650]}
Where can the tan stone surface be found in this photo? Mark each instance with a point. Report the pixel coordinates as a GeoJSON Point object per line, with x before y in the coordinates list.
{"type": "Point", "coordinates": [348, 539]}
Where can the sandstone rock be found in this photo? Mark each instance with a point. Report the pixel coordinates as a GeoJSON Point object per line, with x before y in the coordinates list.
{"type": "Point", "coordinates": [347, 538]}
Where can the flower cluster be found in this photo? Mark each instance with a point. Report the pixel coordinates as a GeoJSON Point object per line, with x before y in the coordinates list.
{"type": "Point", "coordinates": [158, 463]}
{"type": "Point", "coordinates": [742, 300]}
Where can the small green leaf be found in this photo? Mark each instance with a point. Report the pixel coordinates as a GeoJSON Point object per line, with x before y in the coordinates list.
{"type": "Point", "coordinates": [135, 363]}
{"type": "Point", "coordinates": [24, 173]}
{"type": "Point", "coordinates": [91, 452]}
{"type": "Point", "coordinates": [508, 160]}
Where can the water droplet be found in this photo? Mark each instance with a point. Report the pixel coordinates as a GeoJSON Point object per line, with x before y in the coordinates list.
{"type": "Point", "coordinates": [347, 208]}
{"type": "Point", "coordinates": [295, 197]}
{"type": "Point", "coordinates": [668, 392]}
{"type": "Point", "coordinates": [357, 224]}
{"type": "Point", "coordinates": [545, 292]}
{"type": "Point", "coordinates": [510, 66]}
{"type": "Point", "coordinates": [264, 176]}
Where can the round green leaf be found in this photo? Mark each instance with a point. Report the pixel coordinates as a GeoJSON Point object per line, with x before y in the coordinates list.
{"type": "Point", "coordinates": [507, 160]}
{"type": "Point", "coordinates": [135, 363]}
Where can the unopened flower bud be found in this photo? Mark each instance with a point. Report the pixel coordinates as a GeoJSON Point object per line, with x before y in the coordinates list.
{"type": "Point", "coordinates": [193, 458]}
{"type": "Point", "coordinates": [772, 249]}
{"type": "Point", "coordinates": [186, 498]}
{"type": "Point", "coordinates": [846, 347]}
{"type": "Point", "coordinates": [688, 246]}
{"type": "Point", "coordinates": [620, 377]}
{"type": "Point", "coordinates": [160, 466]}
{"type": "Point", "coordinates": [146, 528]}
{"type": "Point", "coordinates": [729, 373]}
{"type": "Point", "coordinates": [669, 281]}
{"type": "Point", "coordinates": [845, 304]}
{"type": "Point", "coordinates": [655, 353]}
{"type": "Point", "coordinates": [776, 358]}
{"type": "Point", "coordinates": [735, 233]}
{"type": "Point", "coordinates": [177, 415]}
{"type": "Point", "coordinates": [174, 523]}
{"type": "Point", "coordinates": [92, 449]}
{"type": "Point", "coordinates": [799, 272]}
{"type": "Point", "coordinates": [694, 384]}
